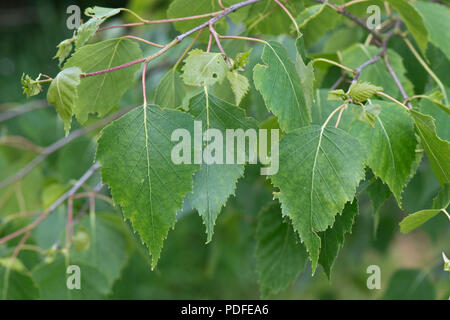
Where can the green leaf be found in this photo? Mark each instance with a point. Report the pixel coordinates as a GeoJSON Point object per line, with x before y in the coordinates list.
{"type": "Point", "coordinates": [390, 145]}
{"type": "Point", "coordinates": [442, 200]}
{"type": "Point", "coordinates": [435, 17]}
{"type": "Point", "coordinates": [101, 93]}
{"type": "Point", "coordinates": [320, 169]}
{"type": "Point", "coordinates": [63, 94]}
{"type": "Point", "coordinates": [376, 73]}
{"type": "Point", "coordinates": [214, 183]}
{"type": "Point", "coordinates": [186, 8]}
{"type": "Point", "coordinates": [87, 30]}
{"type": "Point", "coordinates": [362, 91]}
{"type": "Point", "coordinates": [413, 21]}
{"type": "Point", "coordinates": [438, 150]}
{"type": "Point", "coordinates": [333, 238]}
{"type": "Point", "coordinates": [204, 68]}
{"type": "Point", "coordinates": [101, 12]}
{"type": "Point", "coordinates": [279, 256]}
{"type": "Point", "coordinates": [315, 21]}
{"type": "Point", "coordinates": [417, 219]}
{"type": "Point", "coordinates": [439, 112]}
{"type": "Point", "coordinates": [64, 50]}
{"type": "Point", "coordinates": [410, 285]}
{"type": "Point", "coordinates": [135, 155]}
{"type": "Point", "coordinates": [30, 87]}
{"type": "Point", "coordinates": [281, 87]}
{"type": "Point", "coordinates": [367, 113]}
{"type": "Point", "coordinates": [20, 286]}
{"type": "Point", "coordinates": [266, 17]}
{"type": "Point", "coordinates": [306, 73]}
{"type": "Point", "coordinates": [239, 85]}
{"type": "Point", "coordinates": [337, 94]}
{"type": "Point", "coordinates": [170, 91]}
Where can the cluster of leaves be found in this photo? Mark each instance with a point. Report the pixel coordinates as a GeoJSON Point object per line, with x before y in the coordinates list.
{"type": "Point", "coordinates": [322, 165]}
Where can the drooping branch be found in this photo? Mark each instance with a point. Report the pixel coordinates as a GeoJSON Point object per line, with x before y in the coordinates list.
{"type": "Point", "coordinates": [59, 144]}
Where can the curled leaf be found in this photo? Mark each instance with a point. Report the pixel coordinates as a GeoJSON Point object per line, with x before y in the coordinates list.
{"type": "Point", "coordinates": [338, 94]}
{"type": "Point", "coordinates": [30, 87]}
{"type": "Point", "coordinates": [361, 91]}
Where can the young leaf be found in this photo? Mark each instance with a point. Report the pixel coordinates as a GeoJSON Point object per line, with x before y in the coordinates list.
{"type": "Point", "coordinates": [204, 68]}
{"type": "Point", "coordinates": [367, 113]}
{"type": "Point", "coordinates": [239, 85]}
{"type": "Point", "coordinates": [417, 219]}
{"type": "Point", "coordinates": [64, 50]}
{"type": "Point", "coordinates": [87, 30]}
{"type": "Point", "coordinates": [101, 93]}
{"type": "Point", "coordinates": [333, 238]}
{"type": "Point", "coordinates": [30, 87]}
{"type": "Point", "coordinates": [376, 73]}
{"type": "Point", "coordinates": [438, 150]}
{"type": "Point", "coordinates": [170, 91]}
{"type": "Point", "coordinates": [281, 87]}
{"type": "Point", "coordinates": [135, 154]}
{"type": "Point", "coordinates": [362, 91]}
{"type": "Point", "coordinates": [63, 93]}
{"type": "Point", "coordinates": [101, 12]}
{"type": "Point", "coordinates": [320, 169]}
{"type": "Point", "coordinates": [413, 21]}
{"type": "Point", "coordinates": [337, 94]}
{"type": "Point", "coordinates": [214, 183]}
{"type": "Point", "coordinates": [280, 257]}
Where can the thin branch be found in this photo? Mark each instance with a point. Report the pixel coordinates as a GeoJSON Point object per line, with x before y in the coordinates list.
{"type": "Point", "coordinates": [397, 81]}
{"type": "Point", "coordinates": [208, 48]}
{"type": "Point", "coordinates": [144, 41]}
{"type": "Point", "coordinates": [378, 55]}
{"type": "Point", "coordinates": [380, 93]}
{"type": "Point", "coordinates": [69, 224]}
{"type": "Point", "coordinates": [59, 144]}
{"type": "Point", "coordinates": [243, 38]}
{"type": "Point", "coordinates": [289, 15]}
{"type": "Point", "coordinates": [350, 3]}
{"type": "Point", "coordinates": [20, 142]}
{"type": "Point", "coordinates": [55, 205]}
{"type": "Point", "coordinates": [342, 106]}
{"type": "Point", "coordinates": [337, 64]}
{"type": "Point", "coordinates": [355, 19]}
{"type": "Point", "coordinates": [178, 39]}
{"type": "Point", "coordinates": [189, 47]}
{"type": "Point", "coordinates": [146, 22]}
{"type": "Point", "coordinates": [17, 111]}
